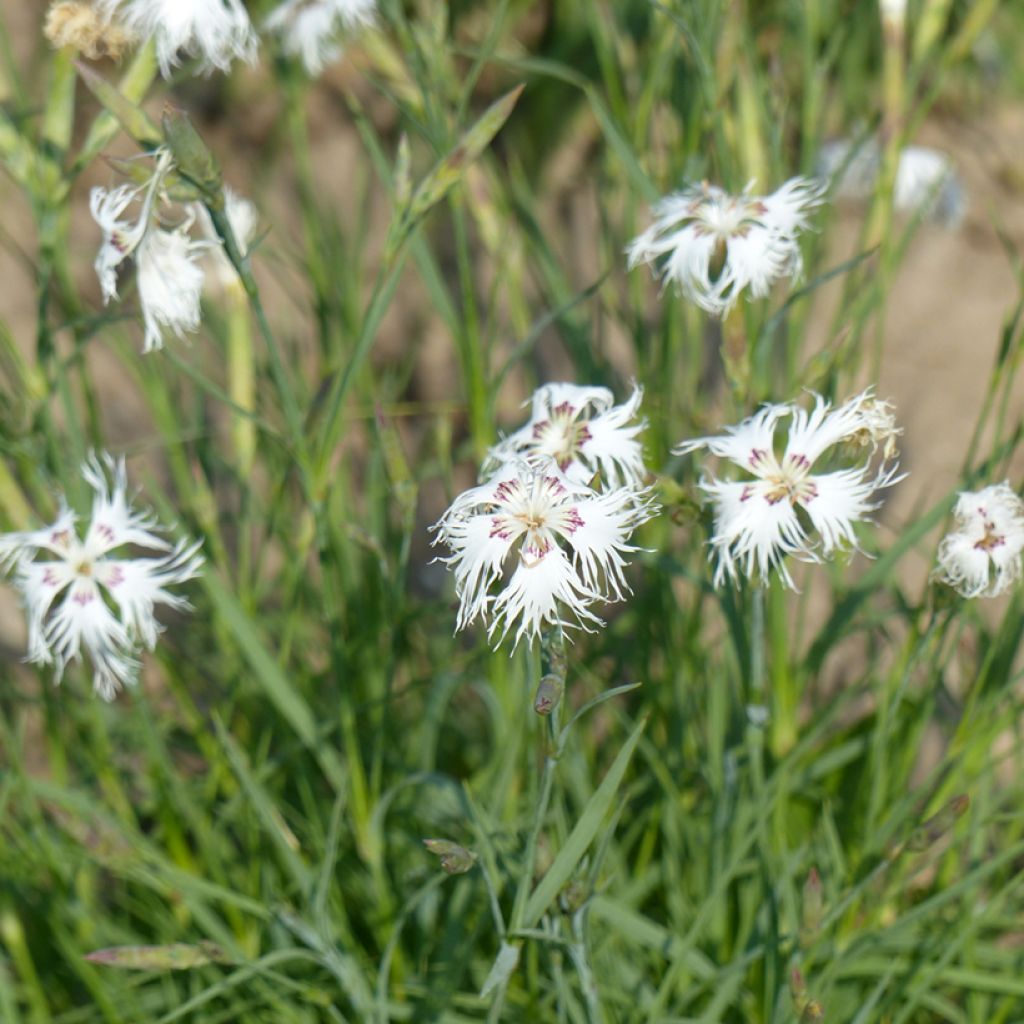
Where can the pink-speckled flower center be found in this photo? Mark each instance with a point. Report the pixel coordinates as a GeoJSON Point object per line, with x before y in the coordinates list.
{"type": "Point", "coordinates": [562, 436]}
{"type": "Point", "coordinates": [785, 480]}
{"type": "Point", "coordinates": [538, 510]}
{"type": "Point", "coordinates": [991, 539]}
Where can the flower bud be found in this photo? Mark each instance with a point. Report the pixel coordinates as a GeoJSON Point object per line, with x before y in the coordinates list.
{"type": "Point", "coordinates": [455, 859]}
{"type": "Point", "coordinates": [549, 694]}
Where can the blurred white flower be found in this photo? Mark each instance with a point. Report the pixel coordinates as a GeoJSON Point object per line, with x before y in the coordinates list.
{"type": "Point", "coordinates": [926, 179]}
{"type": "Point", "coordinates": [309, 28]}
{"type": "Point", "coordinates": [566, 542]}
{"type": "Point", "coordinates": [170, 283]}
{"type": "Point", "coordinates": [583, 431]}
{"type": "Point", "coordinates": [244, 219]}
{"type": "Point", "coordinates": [215, 31]}
{"type": "Point", "coordinates": [121, 237]}
{"type": "Point", "coordinates": [759, 521]}
{"type": "Point", "coordinates": [83, 596]}
{"type": "Point", "coordinates": [714, 245]}
{"type": "Point", "coordinates": [981, 556]}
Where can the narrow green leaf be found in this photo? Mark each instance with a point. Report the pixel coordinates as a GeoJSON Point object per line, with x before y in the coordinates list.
{"type": "Point", "coordinates": [134, 85]}
{"type": "Point", "coordinates": [583, 834]}
{"type": "Point", "coordinates": [504, 964]}
{"type": "Point", "coordinates": [133, 119]}
{"type": "Point", "coordinates": [450, 169]}
{"type": "Point", "coordinates": [177, 956]}
{"type": "Point", "coordinates": [271, 676]}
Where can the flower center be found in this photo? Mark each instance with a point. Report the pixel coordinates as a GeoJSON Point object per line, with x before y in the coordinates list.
{"type": "Point", "coordinates": [991, 540]}
{"type": "Point", "coordinates": [561, 437]}
{"type": "Point", "coordinates": [536, 512]}
{"type": "Point", "coordinates": [788, 480]}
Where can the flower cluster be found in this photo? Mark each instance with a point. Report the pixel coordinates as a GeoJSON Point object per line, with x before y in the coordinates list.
{"type": "Point", "coordinates": [85, 592]}
{"type": "Point", "coordinates": [556, 538]}
{"type": "Point", "coordinates": [713, 245]}
{"type": "Point", "coordinates": [788, 503]}
{"type": "Point", "coordinates": [214, 32]}
{"type": "Point", "coordinates": [166, 255]}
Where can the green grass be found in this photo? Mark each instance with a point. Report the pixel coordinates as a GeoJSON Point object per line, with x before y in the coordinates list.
{"type": "Point", "coordinates": [649, 853]}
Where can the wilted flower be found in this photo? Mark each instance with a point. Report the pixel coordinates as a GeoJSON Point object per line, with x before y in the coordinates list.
{"type": "Point", "coordinates": [567, 544]}
{"type": "Point", "coordinates": [761, 520]}
{"type": "Point", "coordinates": [215, 31]}
{"type": "Point", "coordinates": [583, 431]}
{"type": "Point", "coordinates": [981, 556]}
{"type": "Point", "coordinates": [925, 178]}
{"type": "Point", "coordinates": [82, 596]}
{"type": "Point", "coordinates": [80, 26]}
{"type": "Point", "coordinates": [713, 245]}
{"type": "Point", "coordinates": [309, 28]}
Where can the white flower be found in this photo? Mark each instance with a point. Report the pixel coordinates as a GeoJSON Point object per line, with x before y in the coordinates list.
{"type": "Point", "coordinates": [85, 596]}
{"type": "Point", "coordinates": [309, 28]}
{"type": "Point", "coordinates": [713, 245]}
{"type": "Point", "coordinates": [120, 236]}
{"type": "Point", "coordinates": [170, 283]}
{"type": "Point", "coordinates": [761, 520]}
{"type": "Point", "coordinates": [926, 180]}
{"type": "Point", "coordinates": [583, 431]}
{"type": "Point", "coordinates": [244, 219]}
{"type": "Point", "coordinates": [170, 278]}
{"type": "Point", "coordinates": [566, 542]}
{"type": "Point", "coordinates": [215, 31]}
{"type": "Point", "coordinates": [981, 557]}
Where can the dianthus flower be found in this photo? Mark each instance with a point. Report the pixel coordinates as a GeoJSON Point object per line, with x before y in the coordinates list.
{"type": "Point", "coordinates": [215, 31]}
{"type": "Point", "coordinates": [79, 593]}
{"type": "Point", "coordinates": [583, 431]}
{"type": "Point", "coordinates": [713, 245]}
{"type": "Point", "coordinates": [564, 545]}
{"type": "Point", "coordinates": [785, 507]}
{"type": "Point", "coordinates": [309, 28]}
{"type": "Point", "coordinates": [981, 556]}
{"type": "Point", "coordinates": [169, 276]}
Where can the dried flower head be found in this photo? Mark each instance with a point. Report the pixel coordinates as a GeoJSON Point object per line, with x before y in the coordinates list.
{"type": "Point", "coordinates": [785, 507]}
{"type": "Point", "coordinates": [583, 431]}
{"type": "Point", "coordinates": [566, 545]}
{"type": "Point", "coordinates": [80, 27]}
{"type": "Point", "coordinates": [713, 245]}
{"type": "Point", "coordinates": [981, 555]}
{"type": "Point", "coordinates": [82, 593]}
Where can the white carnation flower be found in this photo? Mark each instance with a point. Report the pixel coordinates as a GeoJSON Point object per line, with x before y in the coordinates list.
{"type": "Point", "coordinates": [583, 431]}
{"type": "Point", "coordinates": [981, 556]}
{"type": "Point", "coordinates": [713, 245]}
{"type": "Point", "coordinates": [309, 29]}
{"type": "Point", "coordinates": [215, 31]}
{"type": "Point", "coordinates": [784, 507]}
{"type": "Point", "coordinates": [170, 283]}
{"type": "Point", "coordinates": [85, 596]}
{"type": "Point", "coordinates": [566, 545]}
